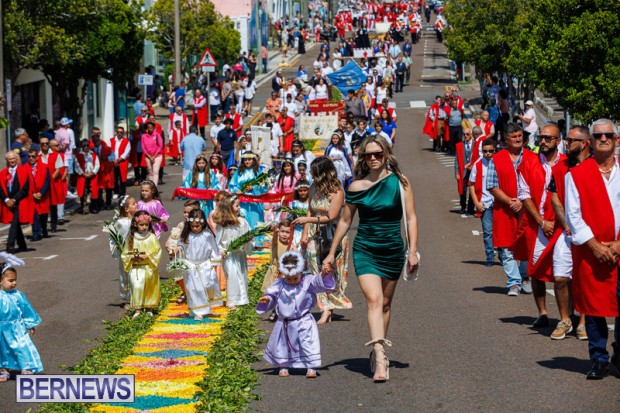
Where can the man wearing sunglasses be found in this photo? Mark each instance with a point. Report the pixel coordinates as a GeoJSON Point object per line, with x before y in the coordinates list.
{"type": "Point", "coordinates": [483, 200]}
{"type": "Point", "coordinates": [502, 184]}
{"type": "Point", "coordinates": [593, 216]}
{"type": "Point", "coordinates": [536, 234]}
{"type": "Point", "coordinates": [577, 149]}
{"type": "Point", "coordinates": [462, 169]}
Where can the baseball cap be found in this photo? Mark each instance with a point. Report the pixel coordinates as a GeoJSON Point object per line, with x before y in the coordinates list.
{"type": "Point", "coordinates": [65, 121]}
{"type": "Point", "coordinates": [529, 103]}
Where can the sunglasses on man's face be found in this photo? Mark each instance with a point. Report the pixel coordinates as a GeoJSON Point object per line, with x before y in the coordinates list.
{"type": "Point", "coordinates": [608, 135]}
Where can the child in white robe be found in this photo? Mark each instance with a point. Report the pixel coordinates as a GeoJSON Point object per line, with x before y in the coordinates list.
{"type": "Point", "coordinates": [197, 245]}
{"type": "Point", "coordinates": [230, 226]}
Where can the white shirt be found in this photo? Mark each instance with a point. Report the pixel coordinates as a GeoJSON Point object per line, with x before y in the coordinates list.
{"type": "Point", "coordinates": [249, 90]}
{"type": "Point", "coordinates": [523, 188]}
{"type": "Point", "coordinates": [89, 165]}
{"type": "Point", "coordinates": [321, 91]}
{"type": "Point", "coordinates": [117, 148]}
{"type": "Point", "coordinates": [215, 129]}
{"type": "Point", "coordinates": [386, 137]}
{"type": "Point", "coordinates": [531, 127]}
{"type": "Point", "coordinates": [578, 227]}
{"type": "Point", "coordinates": [214, 97]}
{"type": "Point", "coordinates": [487, 199]}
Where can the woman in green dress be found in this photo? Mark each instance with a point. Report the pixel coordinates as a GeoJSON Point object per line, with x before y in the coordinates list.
{"type": "Point", "coordinates": [378, 249]}
{"type": "Point", "coordinates": [326, 202]}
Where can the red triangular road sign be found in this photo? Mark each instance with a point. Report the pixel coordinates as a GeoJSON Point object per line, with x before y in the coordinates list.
{"type": "Point", "coordinates": [207, 59]}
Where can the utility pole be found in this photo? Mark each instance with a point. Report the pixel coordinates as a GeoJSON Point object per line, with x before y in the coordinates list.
{"type": "Point", "coordinates": [177, 44]}
{"type": "Point", "coordinates": [259, 35]}
{"type": "Point", "coordinates": [3, 139]}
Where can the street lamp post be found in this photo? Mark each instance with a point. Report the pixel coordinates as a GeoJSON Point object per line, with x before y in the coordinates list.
{"type": "Point", "coordinates": [177, 43]}
{"type": "Point", "coordinates": [3, 140]}
{"type": "Point", "coordinates": [259, 35]}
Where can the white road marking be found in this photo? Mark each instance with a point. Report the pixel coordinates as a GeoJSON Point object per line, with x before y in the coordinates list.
{"type": "Point", "coordinates": [476, 233]}
{"type": "Point", "coordinates": [92, 237]}
{"type": "Point", "coordinates": [465, 216]}
{"type": "Point", "coordinates": [5, 227]}
{"type": "Point", "coordinates": [551, 292]}
{"type": "Point", "coordinates": [426, 85]}
{"type": "Point", "coordinates": [417, 104]}
{"type": "Point", "coordinates": [41, 258]}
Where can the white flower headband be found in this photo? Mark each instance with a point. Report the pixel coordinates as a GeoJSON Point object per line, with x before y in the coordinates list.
{"type": "Point", "coordinates": [292, 269]}
{"type": "Point", "coordinates": [201, 220]}
{"type": "Point", "coordinates": [10, 261]}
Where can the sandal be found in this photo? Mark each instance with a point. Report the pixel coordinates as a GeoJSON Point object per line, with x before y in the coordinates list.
{"type": "Point", "coordinates": [182, 298]}
{"type": "Point", "coordinates": [384, 361]}
{"type": "Point", "coordinates": [311, 374]}
{"type": "Point", "coordinates": [27, 372]}
{"type": "Point", "coordinates": [283, 373]}
{"type": "Point", "coordinates": [136, 315]}
{"type": "Point", "coordinates": [326, 317]}
{"type": "Point", "coordinates": [4, 376]}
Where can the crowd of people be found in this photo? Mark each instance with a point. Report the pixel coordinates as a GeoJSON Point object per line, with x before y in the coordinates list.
{"type": "Point", "coordinates": [549, 207]}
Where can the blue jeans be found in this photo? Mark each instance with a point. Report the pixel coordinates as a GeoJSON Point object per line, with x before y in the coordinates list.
{"type": "Point", "coordinates": [598, 332]}
{"type": "Point", "coordinates": [511, 268]}
{"type": "Point", "coordinates": [487, 233]}
{"type": "Point", "coordinates": [213, 109]}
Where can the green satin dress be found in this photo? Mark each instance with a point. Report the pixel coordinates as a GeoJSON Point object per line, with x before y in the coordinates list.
{"type": "Point", "coordinates": [379, 247]}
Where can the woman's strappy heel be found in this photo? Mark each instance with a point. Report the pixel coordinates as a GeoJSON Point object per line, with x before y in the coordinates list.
{"type": "Point", "coordinates": [378, 356]}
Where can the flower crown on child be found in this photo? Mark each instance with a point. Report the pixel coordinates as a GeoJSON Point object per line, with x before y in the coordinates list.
{"type": "Point", "coordinates": [10, 261]}
{"type": "Point", "coordinates": [122, 201]}
{"type": "Point", "coordinates": [292, 263]}
{"type": "Point", "coordinates": [143, 218]}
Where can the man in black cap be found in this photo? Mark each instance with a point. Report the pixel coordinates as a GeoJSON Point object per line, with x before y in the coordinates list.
{"type": "Point", "coordinates": [226, 139]}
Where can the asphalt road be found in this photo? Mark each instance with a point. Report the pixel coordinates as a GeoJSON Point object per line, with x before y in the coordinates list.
{"type": "Point", "coordinates": [460, 344]}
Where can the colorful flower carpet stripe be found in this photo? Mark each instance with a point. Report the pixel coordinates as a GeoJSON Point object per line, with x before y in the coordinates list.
{"type": "Point", "coordinates": [171, 358]}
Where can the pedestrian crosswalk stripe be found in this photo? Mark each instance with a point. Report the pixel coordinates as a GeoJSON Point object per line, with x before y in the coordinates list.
{"type": "Point", "coordinates": [417, 104]}
{"type": "Point", "coordinates": [476, 233]}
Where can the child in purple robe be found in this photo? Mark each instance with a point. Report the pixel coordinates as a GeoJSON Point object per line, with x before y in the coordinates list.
{"type": "Point", "coordinates": [150, 201]}
{"type": "Point", "coordinates": [294, 341]}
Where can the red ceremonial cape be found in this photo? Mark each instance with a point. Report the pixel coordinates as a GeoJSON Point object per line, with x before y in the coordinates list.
{"type": "Point", "coordinates": [475, 150]}
{"type": "Point", "coordinates": [105, 177]}
{"type": "Point", "coordinates": [176, 137]}
{"type": "Point", "coordinates": [430, 126]}
{"type": "Point", "coordinates": [200, 115]}
{"type": "Point", "coordinates": [58, 186]}
{"type": "Point", "coordinates": [26, 204]}
{"type": "Point", "coordinates": [594, 283]}
{"type": "Point", "coordinates": [504, 220]}
{"type": "Point", "coordinates": [123, 166]}
{"type": "Point", "coordinates": [81, 180]}
{"type": "Point", "coordinates": [487, 126]}
{"type": "Point", "coordinates": [559, 172]}
{"type": "Point", "coordinates": [533, 173]}
{"type": "Point", "coordinates": [41, 206]}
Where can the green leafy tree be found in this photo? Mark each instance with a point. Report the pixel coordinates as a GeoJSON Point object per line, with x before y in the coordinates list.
{"type": "Point", "coordinates": [74, 41]}
{"type": "Point", "coordinates": [201, 27]}
{"type": "Point", "coordinates": [571, 51]}
{"type": "Point", "coordinates": [483, 32]}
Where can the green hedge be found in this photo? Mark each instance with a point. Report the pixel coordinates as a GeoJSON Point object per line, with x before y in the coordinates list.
{"type": "Point", "coordinates": [119, 343]}
{"type": "Point", "coordinates": [230, 379]}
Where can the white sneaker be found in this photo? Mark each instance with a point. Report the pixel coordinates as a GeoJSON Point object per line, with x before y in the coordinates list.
{"type": "Point", "coordinates": [115, 197]}
{"type": "Point", "coordinates": [513, 291]}
{"type": "Point", "coordinates": [526, 286]}
{"type": "Point", "coordinates": [71, 195]}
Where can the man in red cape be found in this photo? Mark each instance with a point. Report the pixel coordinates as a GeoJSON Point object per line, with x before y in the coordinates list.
{"type": "Point", "coordinates": [200, 115]}
{"type": "Point", "coordinates": [502, 184]}
{"type": "Point", "coordinates": [593, 215]}
{"type": "Point", "coordinates": [536, 231]}
{"type": "Point", "coordinates": [435, 125]}
{"type": "Point", "coordinates": [462, 170]}
{"type": "Point", "coordinates": [121, 147]}
{"type": "Point", "coordinates": [105, 176]}
{"type": "Point", "coordinates": [17, 205]}
{"type": "Point", "coordinates": [40, 194]}
{"type": "Point", "coordinates": [577, 144]}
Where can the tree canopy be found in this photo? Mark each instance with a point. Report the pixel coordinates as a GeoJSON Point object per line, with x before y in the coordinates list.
{"type": "Point", "coordinates": [201, 27]}
{"type": "Point", "coordinates": [569, 49]}
{"type": "Point", "coordinates": [70, 40]}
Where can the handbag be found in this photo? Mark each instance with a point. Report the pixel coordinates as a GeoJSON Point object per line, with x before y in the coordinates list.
{"type": "Point", "coordinates": [324, 238]}
{"type": "Point", "coordinates": [406, 274]}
